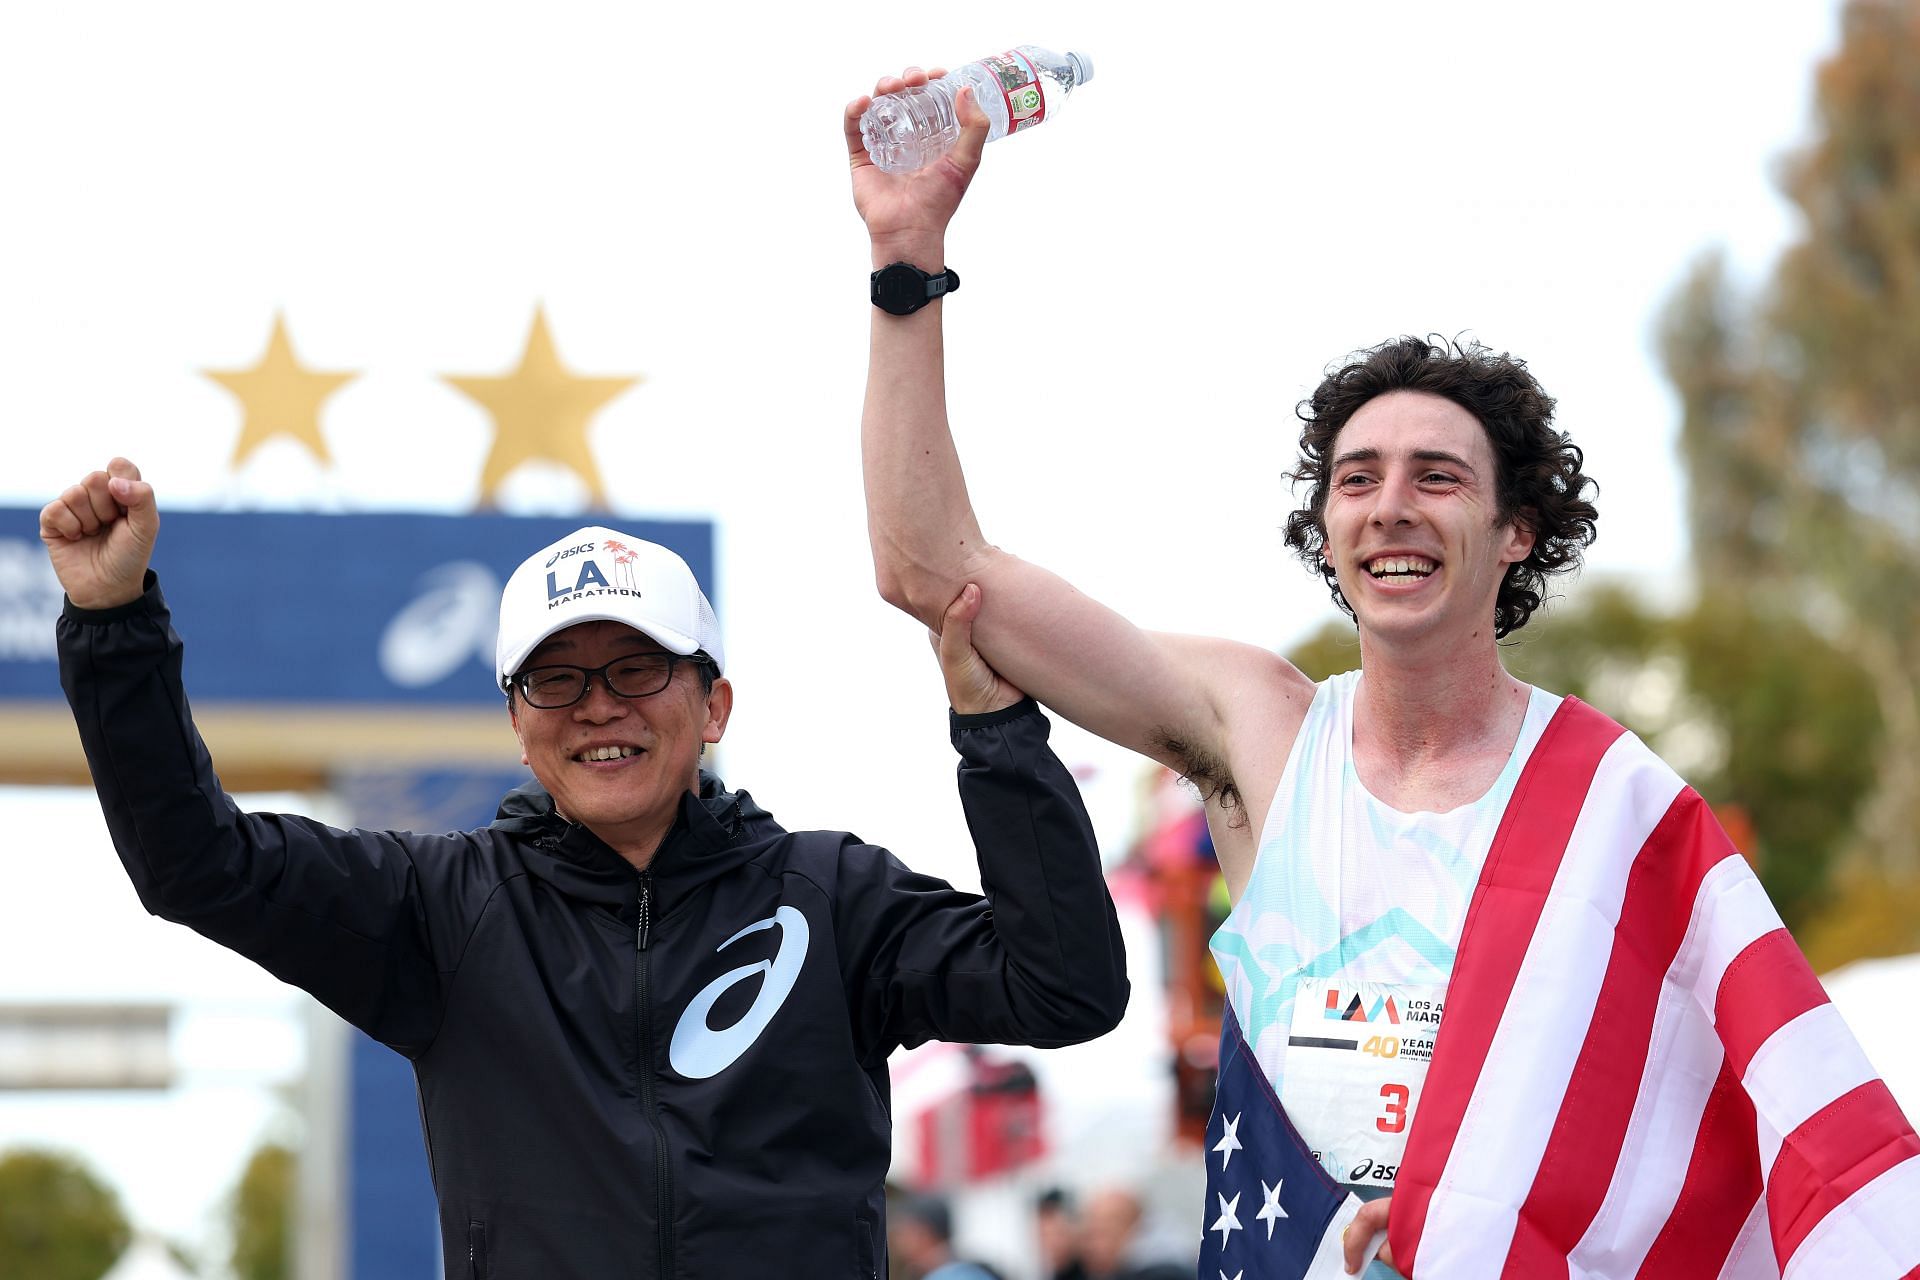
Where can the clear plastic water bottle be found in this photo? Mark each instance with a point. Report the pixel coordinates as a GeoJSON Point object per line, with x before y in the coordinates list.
{"type": "Point", "coordinates": [1017, 90]}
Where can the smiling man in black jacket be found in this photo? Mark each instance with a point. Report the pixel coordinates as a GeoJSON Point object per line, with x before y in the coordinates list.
{"type": "Point", "coordinates": [650, 1027]}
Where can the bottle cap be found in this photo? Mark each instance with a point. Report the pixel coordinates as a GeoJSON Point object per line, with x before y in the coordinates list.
{"type": "Point", "coordinates": [1082, 67]}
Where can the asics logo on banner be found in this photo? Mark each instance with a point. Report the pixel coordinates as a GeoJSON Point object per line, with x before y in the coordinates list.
{"type": "Point", "coordinates": [451, 620]}
{"type": "Point", "coordinates": [698, 1051]}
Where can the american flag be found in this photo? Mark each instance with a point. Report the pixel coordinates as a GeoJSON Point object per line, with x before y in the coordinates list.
{"type": "Point", "coordinates": [1272, 1211]}
{"type": "Point", "coordinates": [1638, 1074]}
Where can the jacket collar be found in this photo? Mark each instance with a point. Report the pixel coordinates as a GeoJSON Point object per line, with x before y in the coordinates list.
{"type": "Point", "coordinates": [713, 832]}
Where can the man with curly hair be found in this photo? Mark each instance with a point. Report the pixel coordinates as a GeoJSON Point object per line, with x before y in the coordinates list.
{"type": "Point", "coordinates": [1454, 895]}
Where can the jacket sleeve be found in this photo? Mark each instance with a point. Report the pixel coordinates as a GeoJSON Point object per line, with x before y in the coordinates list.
{"type": "Point", "coordinates": [338, 913]}
{"type": "Point", "coordinates": [1037, 961]}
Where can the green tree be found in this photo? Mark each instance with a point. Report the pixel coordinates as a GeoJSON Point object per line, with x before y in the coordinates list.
{"type": "Point", "coordinates": [58, 1221]}
{"type": "Point", "coordinates": [1766, 718]}
{"type": "Point", "coordinates": [261, 1214]}
{"type": "Point", "coordinates": [1801, 418]}
{"type": "Point", "coordinates": [1334, 648]}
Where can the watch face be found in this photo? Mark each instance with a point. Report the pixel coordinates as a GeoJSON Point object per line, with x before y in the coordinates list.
{"type": "Point", "coordinates": [900, 289]}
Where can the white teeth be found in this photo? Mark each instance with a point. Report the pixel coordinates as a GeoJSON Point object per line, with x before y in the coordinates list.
{"type": "Point", "coordinates": [608, 753]}
{"type": "Point", "coordinates": [1388, 566]}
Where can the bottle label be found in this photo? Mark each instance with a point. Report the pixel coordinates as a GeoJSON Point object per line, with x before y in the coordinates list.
{"type": "Point", "coordinates": [1020, 86]}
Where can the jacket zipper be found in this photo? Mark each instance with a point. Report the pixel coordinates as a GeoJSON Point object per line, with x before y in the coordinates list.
{"type": "Point", "coordinates": [649, 1105]}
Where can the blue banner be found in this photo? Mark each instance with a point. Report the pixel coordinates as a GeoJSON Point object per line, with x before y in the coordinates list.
{"type": "Point", "coordinates": [293, 607]}
{"type": "Point", "coordinates": [390, 1204]}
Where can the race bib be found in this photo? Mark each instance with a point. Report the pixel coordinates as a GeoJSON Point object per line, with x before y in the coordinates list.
{"type": "Point", "coordinates": [1357, 1055]}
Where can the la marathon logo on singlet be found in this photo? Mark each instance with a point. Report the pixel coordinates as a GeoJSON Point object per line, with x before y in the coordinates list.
{"type": "Point", "coordinates": [698, 1050]}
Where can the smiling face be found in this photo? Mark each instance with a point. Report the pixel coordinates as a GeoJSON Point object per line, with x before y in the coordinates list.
{"type": "Point", "coordinates": [1412, 522]}
{"type": "Point", "coordinates": [618, 766]}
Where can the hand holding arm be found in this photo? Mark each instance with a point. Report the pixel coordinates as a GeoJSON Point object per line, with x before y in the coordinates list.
{"type": "Point", "coordinates": [973, 687]}
{"type": "Point", "coordinates": [99, 534]}
{"type": "Point", "coordinates": [1040, 960]}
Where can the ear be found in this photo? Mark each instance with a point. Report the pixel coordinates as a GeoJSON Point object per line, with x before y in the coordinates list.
{"type": "Point", "coordinates": [719, 710]}
{"type": "Point", "coordinates": [513, 717]}
{"type": "Point", "coordinates": [1520, 535]}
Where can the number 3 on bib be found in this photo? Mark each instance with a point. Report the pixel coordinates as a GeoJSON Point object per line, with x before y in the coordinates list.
{"type": "Point", "coordinates": [1395, 1118]}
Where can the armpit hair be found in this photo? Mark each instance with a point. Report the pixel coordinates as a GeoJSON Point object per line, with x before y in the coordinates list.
{"type": "Point", "coordinates": [1206, 773]}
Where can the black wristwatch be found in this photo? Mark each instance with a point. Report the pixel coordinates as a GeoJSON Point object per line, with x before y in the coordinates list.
{"type": "Point", "coordinates": [900, 288]}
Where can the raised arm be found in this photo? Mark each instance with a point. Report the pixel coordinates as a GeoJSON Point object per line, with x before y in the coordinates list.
{"type": "Point", "coordinates": [1039, 960]}
{"type": "Point", "coordinates": [342, 914]}
{"type": "Point", "coordinates": [1170, 697]}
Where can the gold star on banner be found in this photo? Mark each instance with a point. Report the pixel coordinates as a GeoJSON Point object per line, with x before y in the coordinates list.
{"type": "Point", "coordinates": [541, 410]}
{"type": "Point", "coordinates": [280, 397]}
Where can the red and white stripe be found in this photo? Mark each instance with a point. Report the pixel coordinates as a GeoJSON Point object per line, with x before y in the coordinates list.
{"type": "Point", "coordinates": [1639, 1075]}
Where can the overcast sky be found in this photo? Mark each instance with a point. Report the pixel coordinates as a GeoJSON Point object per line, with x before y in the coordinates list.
{"type": "Point", "coordinates": [1243, 194]}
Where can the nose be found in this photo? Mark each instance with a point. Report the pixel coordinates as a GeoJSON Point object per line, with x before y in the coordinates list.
{"type": "Point", "coordinates": [1392, 502]}
{"type": "Point", "coordinates": [599, 703]}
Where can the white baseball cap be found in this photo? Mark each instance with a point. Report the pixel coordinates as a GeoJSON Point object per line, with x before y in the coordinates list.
{"type": "Point", "coordinates": [597, 574]}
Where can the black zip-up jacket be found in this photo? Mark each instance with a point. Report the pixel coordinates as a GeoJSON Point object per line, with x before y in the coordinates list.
{"type": "Point", "coordinates": [679, 1073]}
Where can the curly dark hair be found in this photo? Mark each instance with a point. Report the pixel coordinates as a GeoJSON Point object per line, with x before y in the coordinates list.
{"type": "Point", "coordinates": [1539, 483]}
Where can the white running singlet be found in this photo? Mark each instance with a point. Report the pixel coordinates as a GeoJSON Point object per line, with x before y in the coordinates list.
{"type": "Point", "coordinates": [1362, 905]}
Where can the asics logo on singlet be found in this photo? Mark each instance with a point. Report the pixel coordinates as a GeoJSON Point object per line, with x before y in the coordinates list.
{"type": "Point", "coordinates": [698, 1050]}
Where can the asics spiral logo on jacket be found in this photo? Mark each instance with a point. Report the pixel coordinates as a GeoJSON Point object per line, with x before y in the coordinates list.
{"type": "Point", "coordinates": [698, 1050]}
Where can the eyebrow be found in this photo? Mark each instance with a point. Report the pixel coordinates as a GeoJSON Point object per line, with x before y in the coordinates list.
{"type": "Point", "coordinates": [560, 645]}
{"type": "Point", "coordinates": [1418, 455]}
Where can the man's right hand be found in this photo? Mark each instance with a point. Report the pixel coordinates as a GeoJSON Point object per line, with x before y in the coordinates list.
{"type": "Point", "coordinates": [907, 213]}
{"type": "Point", "coordinates": [99, 535]}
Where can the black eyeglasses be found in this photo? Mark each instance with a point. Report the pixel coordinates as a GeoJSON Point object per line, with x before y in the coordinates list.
{"type": "Point", "coordinates": [639, 675]}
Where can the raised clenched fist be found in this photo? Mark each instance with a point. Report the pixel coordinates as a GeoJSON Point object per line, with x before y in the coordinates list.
{"type": "Point", "coordinates": [99, 535]}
